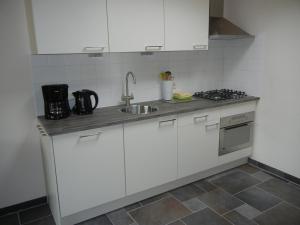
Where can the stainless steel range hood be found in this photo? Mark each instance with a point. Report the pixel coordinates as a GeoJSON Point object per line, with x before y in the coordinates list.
{"type": "Point", "coordinates": [221, 28]}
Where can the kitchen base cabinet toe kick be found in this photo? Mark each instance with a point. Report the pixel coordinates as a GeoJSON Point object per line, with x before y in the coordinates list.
{"type": "Point", "coordinates": [93, 172]}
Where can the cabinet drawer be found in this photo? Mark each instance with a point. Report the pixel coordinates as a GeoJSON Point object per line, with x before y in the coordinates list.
{"type": "Point", "coordinates": [199, 117]}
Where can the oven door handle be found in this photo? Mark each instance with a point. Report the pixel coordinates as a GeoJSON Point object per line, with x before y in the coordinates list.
{"type": "Point", "coordinates": [239, 125]}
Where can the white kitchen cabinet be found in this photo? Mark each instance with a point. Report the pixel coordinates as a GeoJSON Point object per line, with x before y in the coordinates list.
{"type": "Point", "coordinates": [186, 25]}
{"type": "Point", "coordinates": [50, 175]}
{"type": "Point", "coordinates": [150, 153]}
{"type": "Point", "coordinates": [90, 168]}
{"type": "Point", "coordinates": [135, 25]}
{"type": "Point", "coordinates": [70, 26]}
{"type": "Point", "coordinates": [198, 142]}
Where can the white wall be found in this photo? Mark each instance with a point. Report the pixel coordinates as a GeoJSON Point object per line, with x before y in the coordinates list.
{"type": "Point", "coordinates": [269, 67]}
{"type": "Point", "coordinates": [193, 71]}
{"type": "Point", "coordinates": [21, 175]}
{"type": "Point", "coordinates": [265, 67]}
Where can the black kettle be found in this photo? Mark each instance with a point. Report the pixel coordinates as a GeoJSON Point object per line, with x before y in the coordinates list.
{"type": "Point", "coordinates": [83, 102]}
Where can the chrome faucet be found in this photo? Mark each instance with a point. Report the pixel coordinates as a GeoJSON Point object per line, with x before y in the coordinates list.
{"type": "Point", "coordinates": [128, 97]}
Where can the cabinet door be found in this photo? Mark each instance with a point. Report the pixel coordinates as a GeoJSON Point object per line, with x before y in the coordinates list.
{"type": "Point", "coordinates": [186, 25]}
{"type": "Point", "coordinates": [70, 26]}
{"type": "Point", "coordinates": [150, 153]}
{"type": "Point", "coordinates": [90, 168]}
{"type": "Point", "coordinates": [135, 25]}
{"type": "Point", "coordinates": [198, 142]}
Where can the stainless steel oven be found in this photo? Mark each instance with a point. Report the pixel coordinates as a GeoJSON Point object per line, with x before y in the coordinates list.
{"type": "Point", "coordinates": [236, 132]}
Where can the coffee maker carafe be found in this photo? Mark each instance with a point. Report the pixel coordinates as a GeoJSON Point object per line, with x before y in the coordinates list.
{"type": "Point", "coordinates": [56, 102]}
{"type": "Point", "coordinates": [83, 102]}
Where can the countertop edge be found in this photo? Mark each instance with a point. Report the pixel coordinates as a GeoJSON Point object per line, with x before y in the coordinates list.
{"type": "Point", "coordinates": [144, 117]}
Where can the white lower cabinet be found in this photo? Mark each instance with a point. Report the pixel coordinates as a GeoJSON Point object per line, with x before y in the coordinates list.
{"type": "Point", "coordinates": [150, 153]}
{"type": "Point", "coordinates": [198, 142]}
{"type": "Point", "coordinates": [85, 170]}
{"type": "Point", "coordinates": [89, 168]}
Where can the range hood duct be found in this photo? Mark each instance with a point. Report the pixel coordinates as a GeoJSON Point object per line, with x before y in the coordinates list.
{"type": "Point", "coordinates": [221, 28]}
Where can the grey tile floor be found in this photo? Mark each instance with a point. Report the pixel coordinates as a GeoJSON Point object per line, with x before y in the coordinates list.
{"type": "Point", "coordinates": [241, 196]}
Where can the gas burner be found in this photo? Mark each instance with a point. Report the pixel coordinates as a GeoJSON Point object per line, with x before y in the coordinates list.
{"type": "Point", "coordinates": [218, 95]}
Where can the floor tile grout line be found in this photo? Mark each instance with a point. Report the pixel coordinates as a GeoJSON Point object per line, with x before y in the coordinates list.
{"type": "Point", "coordinates": [201, 188]}
{"type": "Point", "coordinates": [131, 210]}
{"type": "Point", "coordinates": [220, 215]}
{"type": "Point", "coordinates": [181, 203]}
{"type": "Point", "coordinates": [23, 209]}
{"type": "Point", "coordinates": [269, 193]}
{"type": "Point", "coordinates": [236, 198]}
{"type": "Point", "coordinates": [109, 219]}
{"type": "Point", "coordinates": [265, 211]}
{"type": "Point", "coordinates": [258, 209]}
{"type": "Point", "coordinates": [211, 210]}
{"type": "Point", "coordinates": [131, 217]}
{"type": "Point", "coordinates": [241, 214]}
{"type": "Point", "coordinates": [282, 200]}
{"type": "Point", "coordinates": [9, 214]}
{"type": "Point", "coordinates": [230, 211]}
{"type": "Point", "coordinates": [150, 203]}
{"type": "Point", "coordinates": [169, 194]}
{"type": "Point", "coordinates": [173, 221]}
{"type": "Point", "coordinates": [252, 186]}
{"type": "Point", "coordinates": [32, 207]}
{"type": "Point", "coordinates": [35, 220]}
{"type": "Point", "coordinates": [291, 204]}
{"type": "Point", "coordinates": [255, 185]}
{"type": "Point", "coordinates": [233, 195]}
{"type": "Point", "coordinates": [182, 221]}
{"type": "Point", "coordinates": [142, 205]}
{"type": "Point", "coordinates": [192, 212]}
{"type": "Point", "coordinates": [19, 219]}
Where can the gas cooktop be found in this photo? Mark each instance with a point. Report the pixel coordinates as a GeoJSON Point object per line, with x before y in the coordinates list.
{"type": "Point", "coordinates": [218, 95]}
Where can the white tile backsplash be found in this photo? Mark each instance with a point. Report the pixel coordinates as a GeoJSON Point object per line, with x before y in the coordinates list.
{"type": "Point", "coordinates": [244, 65]}
{"type": "Point", "coordinates": [193, 71]}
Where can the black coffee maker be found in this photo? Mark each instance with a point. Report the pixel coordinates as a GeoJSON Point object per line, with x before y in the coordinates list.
{"type": "Point", "coordinates": [56, 102]}
{"type": "Point", "coordinates": [83, 102]}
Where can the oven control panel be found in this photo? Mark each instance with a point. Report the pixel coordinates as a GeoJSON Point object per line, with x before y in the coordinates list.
{"type": "Point", "coordinates": [237, 119]}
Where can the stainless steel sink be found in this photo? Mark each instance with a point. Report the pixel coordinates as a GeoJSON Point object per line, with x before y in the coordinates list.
{"type": "Point", "coordinates": [139, 109]}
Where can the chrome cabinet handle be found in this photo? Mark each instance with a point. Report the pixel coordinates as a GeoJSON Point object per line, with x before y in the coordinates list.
{"type": "Point", "coordinates": [198, 119]}
{"type": "Point", "coordinates": [91, 135]}
{"type": "Point", "coordinates": [167, 122]}
{"type": "Point", "coordinates": [93, 49]}
{"type": "Point", "coordinates": [212, 125]}
{"type": "Point", "coordinates": [153, 48]}
{"type": "Point", "coordinates": [200, 47]}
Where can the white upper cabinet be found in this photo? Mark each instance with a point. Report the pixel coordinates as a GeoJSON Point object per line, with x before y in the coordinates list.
{"type": "Point", "coordinates": [136, 25]}
{"type": "Point", "coordinates": [186, 25]}
{"type": "Point", "coordinates": [70, 26]}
